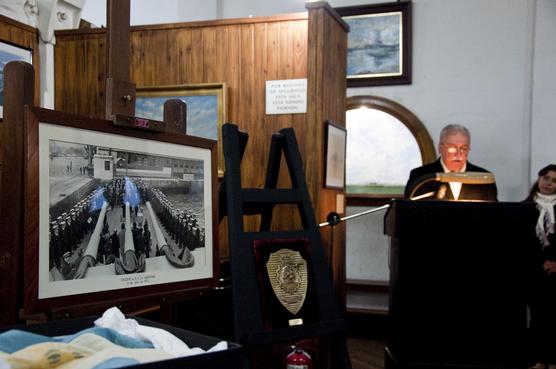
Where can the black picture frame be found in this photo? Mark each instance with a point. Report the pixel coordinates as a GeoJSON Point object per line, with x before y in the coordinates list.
{"type": "Point", "coordinates": [379, 44]}
{"type": "Point", "coordinates": [335, 163]}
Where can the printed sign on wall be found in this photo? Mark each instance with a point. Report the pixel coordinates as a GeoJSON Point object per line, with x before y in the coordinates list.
{"type": "Point", "coordinates": [288, 96]}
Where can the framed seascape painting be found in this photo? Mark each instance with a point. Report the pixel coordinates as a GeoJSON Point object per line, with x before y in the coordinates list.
{"type": "Point", "coordinates": [112, 209]}
{"type": "Point", "coordinates": [206, 109]}
{"type": "Point", "coordinates": [335, 144]}
{"type": "Point", "coordinates": [379, 43]}
{"type": "Point", "coordinates": [10, 53]}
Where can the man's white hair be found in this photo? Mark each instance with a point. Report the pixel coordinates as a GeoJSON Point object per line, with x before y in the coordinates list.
{"type": "Point", "coordinates": [454, 128]}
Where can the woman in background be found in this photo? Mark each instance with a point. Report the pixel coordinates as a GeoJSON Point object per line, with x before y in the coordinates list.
{"type": "Point", "coordinates": [543, 302]}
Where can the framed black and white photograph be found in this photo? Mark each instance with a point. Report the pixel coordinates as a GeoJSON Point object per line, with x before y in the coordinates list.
{"type": "Point", "coordinates": [379, 43]}
{"type": "Point", "coordinates": [116, 208]}
{"type": "Point", "coordinates": [335, 165]}
{"type": "Point", "coordinates": [8, 53]}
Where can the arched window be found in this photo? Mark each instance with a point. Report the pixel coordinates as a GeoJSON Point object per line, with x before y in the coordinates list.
{"type": "Point", "coordinates": [384, 142]}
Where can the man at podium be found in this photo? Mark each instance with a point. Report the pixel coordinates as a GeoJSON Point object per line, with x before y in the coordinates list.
{"type": "Point", "coordinates": [462, 181]}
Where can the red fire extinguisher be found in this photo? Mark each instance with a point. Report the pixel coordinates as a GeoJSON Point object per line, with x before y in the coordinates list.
{"type": "Point", "coordinates": [298, 359]}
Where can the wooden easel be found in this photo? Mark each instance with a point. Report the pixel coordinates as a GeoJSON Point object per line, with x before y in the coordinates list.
{"type": "Point", "coordinates": [120, 91]}
{"type": "Point", "coordinates": [236, 202]}
{"type": "Point", "coordinates": [120, 108]}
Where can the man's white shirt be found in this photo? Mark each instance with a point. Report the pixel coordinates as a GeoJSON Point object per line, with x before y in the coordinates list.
{"type": "Point", "coordinates": [454, 186]}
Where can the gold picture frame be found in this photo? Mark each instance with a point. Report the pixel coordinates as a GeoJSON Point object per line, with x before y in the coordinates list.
{"type": "Point", "coordinates": [206, 109]}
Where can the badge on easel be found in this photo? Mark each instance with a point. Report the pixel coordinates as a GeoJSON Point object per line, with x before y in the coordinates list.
{"type": "Point", "coordinates": [287, 272]}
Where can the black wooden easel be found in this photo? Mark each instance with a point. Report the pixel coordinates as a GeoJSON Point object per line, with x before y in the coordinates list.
{"type": "Point", "coordinates": [235, 202]}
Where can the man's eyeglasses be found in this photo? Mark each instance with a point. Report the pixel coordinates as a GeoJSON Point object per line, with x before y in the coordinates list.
{"type": "Point", "coordinates": [454, 149]}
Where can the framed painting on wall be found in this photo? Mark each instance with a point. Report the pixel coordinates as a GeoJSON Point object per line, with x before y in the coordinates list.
{"type": "Point", "coordinates": [379, 44]}
{"type": "Point", "coordinates": [111, 209]}
{"type": "Point", "coordinates": [335, 165]}
{"type": "Point", "coordinates": [8, 53]}
{"type": "Point", "coordinates": [206, 109]}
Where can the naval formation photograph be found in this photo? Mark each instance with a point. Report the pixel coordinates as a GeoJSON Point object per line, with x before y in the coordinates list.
{"type": "Point", "coordinates": [124, 216]}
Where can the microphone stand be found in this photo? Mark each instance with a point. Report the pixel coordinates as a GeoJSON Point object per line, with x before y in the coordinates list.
{"type": "Point", "coordinates": [333, 219]}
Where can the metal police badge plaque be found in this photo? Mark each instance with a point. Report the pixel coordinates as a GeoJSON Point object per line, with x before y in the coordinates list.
{"type": "Point", "coordinates": [287, 271]}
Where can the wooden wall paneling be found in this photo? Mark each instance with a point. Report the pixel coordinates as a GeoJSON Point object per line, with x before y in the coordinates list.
{"type": "Point", "coordinates": [209, 53]}
{"type": "Point", "coordinates": [246, 90]}
{"type": "Point", "coordinates": [314, 102]}
{"type": "Point", "coordinates": [80, 74]}
{"type": "Point", "coordinates": [95, 56]}
{"type": "Point", "coordinates": [229, 60]}
{"type": "Point", "coordinates": [260, 57]}
{"type": "Point", "coordinates": [296, 61]}
{"type": "Point", "coordinates": [151, 66]}
{"type": "Point", "coordinates": [195, 75]}
{"type": "Point", "coordinates": [327, 56]}
{"type": "Point", "coordinates": [173, 57]}
{"type": "Point", "coordinates": [65, 71]}
{"type": "Point", "coordinates": [335, 66]}
{"type": "Point", "coordinates": [231, 63]}
{"type": "Point", "coordinates": [183, 50]}
{"type": "Point", "coordinates": [253, 120]}
{"type": "Point", "coordinates": [221, 58]}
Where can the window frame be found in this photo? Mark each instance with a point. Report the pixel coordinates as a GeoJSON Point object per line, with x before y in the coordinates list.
{"type": "Point", "coordinates": [411, 121]}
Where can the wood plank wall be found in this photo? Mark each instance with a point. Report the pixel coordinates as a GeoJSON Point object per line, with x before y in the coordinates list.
{"type": "Point", "coordinates": [327, 101]}
{"type": "Point", "coordinates": [243, 53]}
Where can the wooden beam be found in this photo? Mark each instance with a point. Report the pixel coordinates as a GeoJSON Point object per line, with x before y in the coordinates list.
{"type": "Point", "coordinates": [19, 81]}
{"type": "Point", "coordinates": [120, 92]}
{"type": "Point", "coordinates": [117, 37]}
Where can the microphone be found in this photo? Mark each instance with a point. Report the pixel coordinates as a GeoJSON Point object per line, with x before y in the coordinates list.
{"type": "Point", "coordinates": [442, 192]}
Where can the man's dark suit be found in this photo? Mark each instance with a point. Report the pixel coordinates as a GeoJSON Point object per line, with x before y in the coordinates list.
{"type": "Point", "coordinates": [468, 191]}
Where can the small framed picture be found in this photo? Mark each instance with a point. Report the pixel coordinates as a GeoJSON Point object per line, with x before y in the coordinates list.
{"type": "Point", "coordinates": [379, 43]}
{"type": "Point", "coordinates": [335, 166]}
{"type": "Point", "coordinates": [8, 53]}
{"type": "Point", "coordinates": [206, 109]}
{"type": "Point", "coordinates": [114, 213]}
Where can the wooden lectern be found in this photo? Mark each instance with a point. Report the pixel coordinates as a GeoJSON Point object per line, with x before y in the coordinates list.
{"type": "Point", "coordinates": [459, 273]}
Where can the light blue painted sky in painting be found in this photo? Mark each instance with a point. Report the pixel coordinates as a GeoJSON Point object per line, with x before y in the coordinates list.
{"type": "Point", "coordinates": [202, 112]}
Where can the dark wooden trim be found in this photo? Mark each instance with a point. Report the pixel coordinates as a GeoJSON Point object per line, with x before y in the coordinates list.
{"type": "Point", "coordinates": [324, 5]}
{"type": "Point", "coordinates": [196, 24]}
{"type": "Point", "coordinates": [411, 121]}
{"type": "Point", "coordinates": [364, 312]}
{"type": "Point", "coordinates": [367, 285]}
{"type": "Point", "coordinates": [118, 40]}
{"type": "Point", "coordinates": [18, 24]}
{"type": "Point", "coordinates": [19, 90]}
